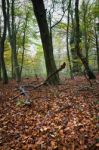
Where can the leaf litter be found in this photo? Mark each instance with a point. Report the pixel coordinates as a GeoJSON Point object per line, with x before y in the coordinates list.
{"type": "Point", "coordinates": [65, 117]}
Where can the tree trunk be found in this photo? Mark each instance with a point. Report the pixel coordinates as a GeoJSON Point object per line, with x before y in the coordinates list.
{"type": "Point", "coordinates": [12, 37]}
{"type": "Point", "coordinates": [23, 43]}
{"type": "Point", "coordinates": [97, 48]}
{"type": "Point", "coordinates": [0, 39]}
{"type": "Point", "coordinates": [86, 44]}
{"type": "Point", "coordinates": [0, 72]}
{"type": "Point", "coordinates": [40, 14]}
{"type": "Point", "coordinates": [3, 67]}
{"type": "Point", "coordinates": [77, 45]}
{"type": "Point", "coordinates": [15, 64]}
{"type": "Point", "coordinates": [76, 63]}
{"type": "Point", "coordinates": [3, 38]}
{"type": "Point", "coordinates": [12, 67]}
{"type": "Point", "coordinates": [67, 36]}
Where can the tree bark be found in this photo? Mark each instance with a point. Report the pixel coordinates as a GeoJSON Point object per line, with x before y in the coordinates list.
{"type": "Point", "coordinates": [76, 64]}
{"type": "Point", "coordinates": [0, 73]}
{"type": "Point", "coordinates": [2, 42]}
{"type": "Point", "coordinates": [97, 47]}
{"type": "Point", "coordinates": [86, 44]}
{"type": "Point", "coordinates": [12, 37]}
{"type": "Point", "coordinates": [86, 41]}
{"type": "Point", "coordinates": [23, 43]}
{"type": "Point", "coordinates": [40, 13]}
{"type": "Point", "coordinates": [67, 36]}
{"type": "Point", "coordinates": [77, 45]}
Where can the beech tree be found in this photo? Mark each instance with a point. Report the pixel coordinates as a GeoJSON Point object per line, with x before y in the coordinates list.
{"type": "Point", "coordinates": [85, 22]}
{"type": "Point", "coordinates": [2, 43]}
{"type": "Point", "coordinates": [40, 13]}
{"type": "Point", "coordinates": [67, 37]}
{"type": "Point", "coordinates": [77, 44]}
{"type": "Point", "coordinates": [96, 28]}
{"type": "Point", "coordinates": [12, 38]}
{"type": "Point", "coordinates": [76, 63]}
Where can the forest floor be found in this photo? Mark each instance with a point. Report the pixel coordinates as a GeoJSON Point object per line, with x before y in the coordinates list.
{"type": "Point", "coordinates": [64, 117]}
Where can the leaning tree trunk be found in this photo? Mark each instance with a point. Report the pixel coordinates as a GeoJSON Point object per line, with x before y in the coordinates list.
{"type": "Point", "coordinates": [40, 14]}
{"type": "Point", "coordinates": [3, 38]}
{"type": "Point", "coordinates": [77, 45]}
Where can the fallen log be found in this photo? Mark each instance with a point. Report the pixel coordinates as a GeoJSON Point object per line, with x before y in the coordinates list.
{"type": "Point", "coordinates": [22, 88]}
{"type": "Point", "coordinates": [48, 78]}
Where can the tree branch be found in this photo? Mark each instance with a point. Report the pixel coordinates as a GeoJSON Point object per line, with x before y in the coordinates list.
{"type": "Point", "coordinates": [22, 90]}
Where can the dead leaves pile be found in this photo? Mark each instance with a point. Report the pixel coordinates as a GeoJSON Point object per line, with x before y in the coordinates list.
{"type": "Point", "coordinates": [59, 118]}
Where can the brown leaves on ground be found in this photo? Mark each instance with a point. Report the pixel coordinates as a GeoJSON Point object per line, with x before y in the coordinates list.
{"type": "Point", "coordinates": [64, 117]}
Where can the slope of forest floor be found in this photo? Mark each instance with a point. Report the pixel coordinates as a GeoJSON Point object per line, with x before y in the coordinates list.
{"type": "Point", "coordinates": [64, 117]}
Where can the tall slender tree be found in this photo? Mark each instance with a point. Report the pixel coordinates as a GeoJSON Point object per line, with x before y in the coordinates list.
{"type": "Point", "coordinates": [76, 63]}
{"type": "Point", "coordinates": [97, 47]}
{"type": "Point", "coordinates": [67, 36]}
{"type": "Point", "coordinates": [0, 40]}
{"type": "Point", "coordinates": [2, 43]}
{"type": "Point", "coordinates": [77, 45]}
{"type": "Point", "coordinates": [85, 33]}
{"type": "Point", "coordinates": [96, 28]}
{"type": "Point", "coordinates": [12, 38]}
{"type": "Point", "coordinates": [40, 13]}
{"type": "Point", "coordinates": [23, 42]}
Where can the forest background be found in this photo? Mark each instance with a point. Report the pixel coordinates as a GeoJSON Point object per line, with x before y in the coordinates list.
{"type": "Point", "coordinates": [22, 42]}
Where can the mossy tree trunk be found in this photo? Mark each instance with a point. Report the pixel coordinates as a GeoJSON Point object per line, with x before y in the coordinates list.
{"type": "Point", "coordinates": [67, 37]}
{"type": "Point", "coordinates": [76, 63]}
{"type": "Point", "coordinates": [77, 45]}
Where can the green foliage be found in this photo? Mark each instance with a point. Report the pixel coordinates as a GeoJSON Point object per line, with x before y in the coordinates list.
{"type": "Point", "coordinates": [38, 61]}
{"type": "Point", "coordinates": [96, 10]}
{"type": "Point", "coordinates": [34, 63]}
{"type": "Point", "coordinates": [62, 26]}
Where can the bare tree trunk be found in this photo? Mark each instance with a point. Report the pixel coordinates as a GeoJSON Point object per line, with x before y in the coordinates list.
{"type": "Point", "coordinates": [23, 43]}
{"type": "Point", "coordinates": [86, 44]}
{"type": "Point", "coordinates": [0, 40]}
{"type": "Point", "coordinates": [3, 38]}
{"type": "Point", "coordinates": [68, 54]}
{"type": "Point", "coordinates": [97, 48]}
{"type": "Point", "coordinates": [12, 66]}
{"type": "Point", "coordinates": [40, 14]}
{"type": "Point", "coordinates": [12, 37]}
{"type": "Point", "coordinates": [0, 73]}
{"type": "Point", "coordinates": [77, 46]}
{"type": "Point", "coordinates": [76, 64]}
